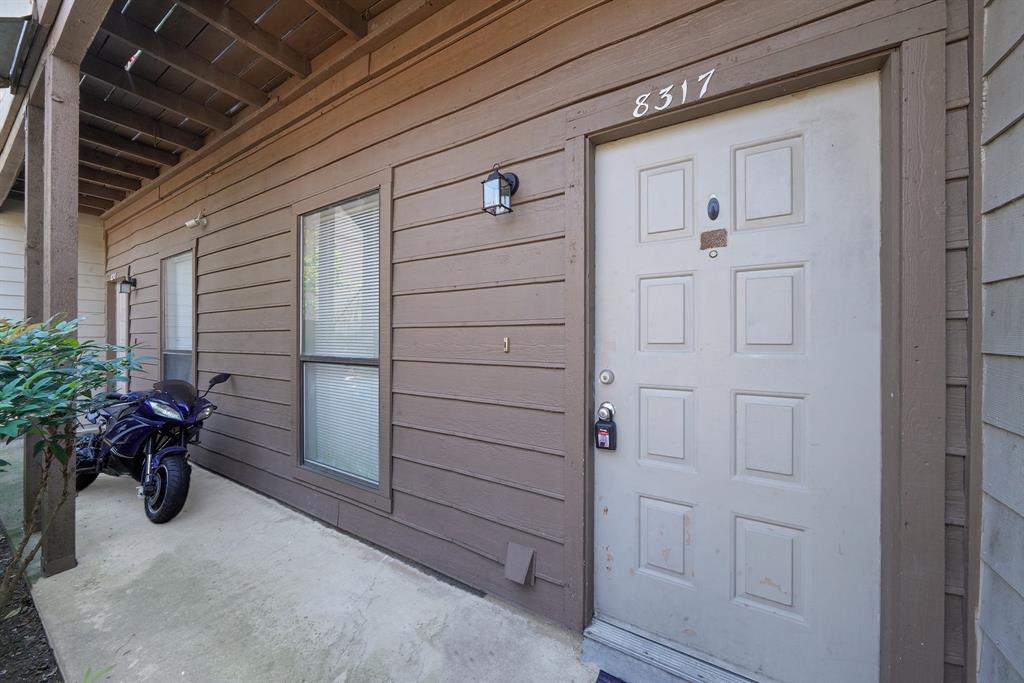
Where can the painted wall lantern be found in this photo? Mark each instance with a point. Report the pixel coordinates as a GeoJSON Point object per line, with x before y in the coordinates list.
{"type": "Point", "coordinates": [125, 285]}
{"type": "Point", "coordinates": [498, 190]}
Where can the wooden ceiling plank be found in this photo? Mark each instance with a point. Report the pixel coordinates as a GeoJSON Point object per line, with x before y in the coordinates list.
{"type": "Point", "coordinates": [239, 27]}
{"type": "Point", "coordinates": [101, 191]}
{"type": "Point", "coordinates": [94, 157]}
{"type": "Point", "coordinates": [119, 143]}
{"type": "Point", "coordinates": [181, 58]}
{"type": "Point", "coordinates": [119, 78]}
{"type": "Point", "coordinates": [94, 202]}
{"type": "Point", "coordinates": [342, 15]}
{"type": "Point", "coordinates": [138, 122]}
{"type": "Point", "coordinates": [95, 175]}
{"type": "Point", "coordinates": [89, 210]}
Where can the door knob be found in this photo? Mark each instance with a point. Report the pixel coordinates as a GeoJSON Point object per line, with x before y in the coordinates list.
{"type": "Point", "coordinates": [606, 411]}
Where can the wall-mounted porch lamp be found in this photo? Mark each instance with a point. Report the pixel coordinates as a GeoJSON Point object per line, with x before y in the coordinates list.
{"type": "Point", "coordinates": [126, 284]}
{"type": "Point", "coordinates": [498, 190]}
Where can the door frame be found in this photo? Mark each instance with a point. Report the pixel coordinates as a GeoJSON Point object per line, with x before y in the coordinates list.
{"type": "Point", "coordinates": [909, 54]}
{"type": "Point", "coordinates": [110, 322]}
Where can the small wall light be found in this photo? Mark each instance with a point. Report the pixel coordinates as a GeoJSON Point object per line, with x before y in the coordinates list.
{"type": "Point", "coordinates": [126, 285]}
{"type": "Point", "coordinates": [498, 190]}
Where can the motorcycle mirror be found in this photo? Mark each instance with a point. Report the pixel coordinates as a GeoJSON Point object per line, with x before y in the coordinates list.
{"type": "Point", "coordinates": [219, 379]}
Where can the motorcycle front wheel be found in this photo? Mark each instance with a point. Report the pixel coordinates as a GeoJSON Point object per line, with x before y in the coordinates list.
{"type": "Point", "coordinates": [173, 475]}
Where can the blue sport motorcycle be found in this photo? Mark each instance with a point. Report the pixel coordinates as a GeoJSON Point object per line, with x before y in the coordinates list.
{"type": "Point", "coordinates": [146, 435]}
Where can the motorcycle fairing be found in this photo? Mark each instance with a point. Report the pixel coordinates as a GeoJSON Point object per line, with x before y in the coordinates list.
{"type": "Point", "coordinates": [127, 435]}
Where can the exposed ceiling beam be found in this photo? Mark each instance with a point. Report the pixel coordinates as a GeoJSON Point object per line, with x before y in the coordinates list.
{"type": "Point", "coordinates": [66, 29]}
{"type": "Point", "coordinates": [95, 175]}
{"type": "Point", "coordinates": [94, 157]}
{"type": "Point", "coordinates": [101, 191]}
{"type": "Point", "coordinates": [94, 202]}
{"type": "Point", "coordinates": [383, 28]}
{"type": "Point", "coordinates": [89, 210]}
{"type": "Point", "coordinates": [138, 122]}
{"type": "Point", "coordinates": [119, 78]}
{"type": "Point", "coordinates": [181, 58]}
{"type": "Point", "coordinates": [342, 15]}
{"type": "Point", "coordinates": [118, 143]}
{"type": "Point", "coordinates": [238, 26]}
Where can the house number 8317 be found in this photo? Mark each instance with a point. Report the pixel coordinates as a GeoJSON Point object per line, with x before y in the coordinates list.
{"type": "Point", "coordinates": [664, 97]}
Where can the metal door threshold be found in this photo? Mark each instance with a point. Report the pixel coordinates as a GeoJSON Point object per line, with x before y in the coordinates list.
{"type": "Point", "coordinates": [636, 659]}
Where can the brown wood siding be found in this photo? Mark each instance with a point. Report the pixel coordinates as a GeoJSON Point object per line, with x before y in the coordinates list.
{"type": "Point", "coordinates": [959, 312]}
{"type": "Point", "coordinates": [478, 435]}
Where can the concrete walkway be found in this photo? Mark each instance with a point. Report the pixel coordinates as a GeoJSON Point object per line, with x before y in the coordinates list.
{"type": "Point", "coordinates": [240, 588]}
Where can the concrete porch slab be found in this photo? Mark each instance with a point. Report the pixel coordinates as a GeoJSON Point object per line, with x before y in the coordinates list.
{"type": "Point", "coordinates": [241, 588]}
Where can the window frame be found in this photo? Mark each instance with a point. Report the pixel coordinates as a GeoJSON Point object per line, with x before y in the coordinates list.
{"type": "Point", "coordinates": [333, 482]}
{"type": "Point", "coordinates": [161, 299]}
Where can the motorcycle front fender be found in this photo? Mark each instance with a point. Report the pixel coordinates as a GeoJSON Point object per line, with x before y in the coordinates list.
{"type": "Point", "coordinates": [164, 452]}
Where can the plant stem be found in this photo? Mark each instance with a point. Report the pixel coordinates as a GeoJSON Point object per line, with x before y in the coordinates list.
{"type": "Point", "coordinates": [19, 563]}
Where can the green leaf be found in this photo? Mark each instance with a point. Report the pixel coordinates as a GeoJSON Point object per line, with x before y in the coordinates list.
{"type": "Point", "coordinates": [12, 429]}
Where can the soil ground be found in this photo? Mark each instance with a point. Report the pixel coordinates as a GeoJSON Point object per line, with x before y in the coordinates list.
{"type": "Point", "coordinates": [25, 654]}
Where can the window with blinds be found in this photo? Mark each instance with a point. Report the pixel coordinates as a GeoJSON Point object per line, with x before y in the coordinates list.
{"type": "Point", "coordinates": [340, 338]}
{"type": "Point", "coordinates": [176, 300]}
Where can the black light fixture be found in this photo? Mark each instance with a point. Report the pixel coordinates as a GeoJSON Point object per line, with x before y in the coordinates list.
{"type": "Point", "coordinates": [126, 285]}
{"type": "Point", "coordinates": [498, 190]}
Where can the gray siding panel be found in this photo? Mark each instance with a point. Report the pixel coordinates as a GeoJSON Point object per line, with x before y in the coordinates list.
{"type": "Point", "coordinates": [1002, 542]}
{"type": "Point", "coordinates": [1004, 467]}
{"type": "Point", "coordinates": [1004, 318]}
{"type": "Point", "coordinates": [1003, 21]}
{"type": "Point", "coordinates": [1001, 608]}
{"type": "Point", "coordinates": [1004, 96]}
{"type": "Point", "coordinates": [1004, 393]}
{"type": "Point", "coordinates": [1000, 616]}
{"type": "Point", "coordinates": [994, 665]}
{"type": "Point", "coordinates": [1004, 166]}
{"type": "Point", "coordinates": [1003, 255]}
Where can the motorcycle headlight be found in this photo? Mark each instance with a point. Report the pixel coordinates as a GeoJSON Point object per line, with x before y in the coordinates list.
{"type": "Point", "coordinates": [205, 413]}
{"type": "Point", "coordinates": [165, 410]}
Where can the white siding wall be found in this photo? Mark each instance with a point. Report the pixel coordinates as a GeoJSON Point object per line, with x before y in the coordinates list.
{"type": "Point", "coordinates": [12, 261]}
{"type": "Point", "coordinates": [1001, 609]}
{"type": "Point", "coordinates": [91, 255]}
{"type": "Point", "coordinates": [91, 285]}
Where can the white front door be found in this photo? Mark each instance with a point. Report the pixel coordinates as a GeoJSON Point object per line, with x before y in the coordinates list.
{"type": "Point", "coordinates": [121, 328]}
{"type": "Point", "coordinates": [738, 521]}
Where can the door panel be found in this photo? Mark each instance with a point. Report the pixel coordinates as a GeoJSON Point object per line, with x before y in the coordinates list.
{"type": "Point", "coordinates": [739, 517]}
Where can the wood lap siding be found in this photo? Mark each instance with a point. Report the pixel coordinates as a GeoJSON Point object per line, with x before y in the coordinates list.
{"type": "Point", "coordinates": [91, 284]}
{"type": "Point", "coordinates": [1000, 621]}
{"type": "Point", "coordinates": [958, 324]}
{"type": "Point", "coordinates": [478, 435]}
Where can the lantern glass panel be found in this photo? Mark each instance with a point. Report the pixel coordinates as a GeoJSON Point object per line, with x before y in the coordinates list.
{"type": "Point", "coordinates": [124, 287]}
{"type": "Point", "coordinates": [497, 195]}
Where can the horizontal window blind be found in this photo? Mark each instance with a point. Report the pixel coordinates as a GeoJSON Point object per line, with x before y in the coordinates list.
{"type": "Point", "coordinates": [176, 300]}
{"type": "Point", "coordinates": [340, 337]}
{"type": "Point", "coordinates": [341, 288]}
{"type": "Point", "coordinates": [341, 425]}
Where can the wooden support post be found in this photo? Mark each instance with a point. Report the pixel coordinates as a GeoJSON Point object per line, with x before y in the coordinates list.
{"type": "Point", "coordinates": [34, 308]}
{"type": "Point", "coordinates": [60, 276]}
